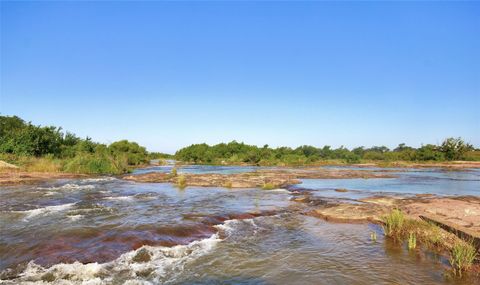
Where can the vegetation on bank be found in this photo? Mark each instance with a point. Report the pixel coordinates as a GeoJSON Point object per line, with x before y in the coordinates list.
{"type": "Point", "coordinates": [239, 153]}
{"type": "Point", "coordinates": [399, 227]}
{"type": "Point", "coordinates": [49, 149]}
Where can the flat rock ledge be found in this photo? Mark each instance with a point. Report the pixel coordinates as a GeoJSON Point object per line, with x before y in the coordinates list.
{"type": "Point", "coordinates": [277, 178]}
{"type": "Point", "coordinates": [458, 215]}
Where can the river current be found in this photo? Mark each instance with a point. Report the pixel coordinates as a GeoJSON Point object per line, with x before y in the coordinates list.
{"type": "Point", "coordinates": [110, 231]}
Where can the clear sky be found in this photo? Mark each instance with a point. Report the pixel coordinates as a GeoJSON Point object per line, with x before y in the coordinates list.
{"type": "Point", "coordinates": [280, 73]}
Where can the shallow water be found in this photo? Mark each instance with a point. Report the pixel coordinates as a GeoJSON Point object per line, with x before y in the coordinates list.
{"type": "Point", "coordinates": [407, 183]}
{"type": "Point", "coordinates": [110, 231]}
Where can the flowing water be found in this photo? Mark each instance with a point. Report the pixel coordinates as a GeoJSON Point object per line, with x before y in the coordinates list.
{"type": "Point", "coordinates": [109, 231]}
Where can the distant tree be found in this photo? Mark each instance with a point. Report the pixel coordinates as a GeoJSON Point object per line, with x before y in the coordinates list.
{"type": "Point", "coordinates": [429, 152]}
{"type": "Point", "coordinates": [134, 153]}
{"type": "Point", "coordinates": [359, 151]}
{"type": "Point", "coordinates": [403, 147]}
{"type": "Point", "coordinates": [455, 148]}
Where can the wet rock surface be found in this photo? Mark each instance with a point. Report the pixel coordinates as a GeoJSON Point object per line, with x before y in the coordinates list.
{"type": "Point", "coordinates": [13, 176]}
{"type": "Point", "coordinates": [277, 178]}
{"type": "Point", "coordinates": [459, 215]}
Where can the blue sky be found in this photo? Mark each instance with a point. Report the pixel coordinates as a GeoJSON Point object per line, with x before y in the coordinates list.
{"type": "Point", "coordinates": [280, 73]}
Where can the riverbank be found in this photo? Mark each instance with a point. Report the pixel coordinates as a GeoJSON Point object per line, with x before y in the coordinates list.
{"type": "Point", "coordinates": [14, 177]}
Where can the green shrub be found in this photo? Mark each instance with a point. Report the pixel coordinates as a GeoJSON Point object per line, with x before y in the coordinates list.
{"type": "Point", "coordinates": [96, 164]}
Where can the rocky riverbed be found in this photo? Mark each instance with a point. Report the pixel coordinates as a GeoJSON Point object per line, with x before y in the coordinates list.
{"type": "Point", "coordinates": [224, 226]}
{"type": "Point", "coordinates": [276, 178]}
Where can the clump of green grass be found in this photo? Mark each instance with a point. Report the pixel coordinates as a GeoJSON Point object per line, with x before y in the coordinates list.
{"type": "Point", "coordinates": [462, 256]}
{"type": "Point", "coordinates": [393, 223]}
{"type": "Point", "coordinates": [268, 186]}
{"type": "Point", "coordinates": [434, 236]}
{"type": "Point", "coordinates": [174, 171]}
{"type": "Point", "coordinates": [373, 236]}
{"type": "Point", "coordinates": [412, 241]}
{"type": "Point", "coordinates": [182, 181]}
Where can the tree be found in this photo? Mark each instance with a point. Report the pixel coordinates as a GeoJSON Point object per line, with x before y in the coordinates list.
{"type": "Point", "coordinates": [455, 148]}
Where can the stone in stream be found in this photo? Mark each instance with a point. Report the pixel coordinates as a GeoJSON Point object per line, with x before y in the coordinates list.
{"type": "Point", "coordinates": [142, 255]}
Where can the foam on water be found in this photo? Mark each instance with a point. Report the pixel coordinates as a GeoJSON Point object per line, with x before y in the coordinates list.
{"type": "Point", "coordinates": [231, 226]}
{"type": "Point", "coordinates": [161, 263]}
{"type": "Point", "coordinates": [69, 186]}
{"type": "Point", "coordinates": [44, 211]}
{"type": "Point", "coordinates": [278, 190]}
{"type": "Point", "coordinates": [74, 218]}
{"type": "Point", "coordinates": [101, 179]}
{"type": "Point", "coordinates": [120, 198]}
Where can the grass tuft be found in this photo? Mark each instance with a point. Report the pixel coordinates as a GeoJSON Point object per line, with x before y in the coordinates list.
{"type": "Point", "coordinates": [462, 256]}
{"type": "Point", "coordinates": [182, 181]}
{"type": "Point", "coordinates": [268, 186]}
{"type": "Point", "coordinates": [412, 241]}
{"type": "Point", "coordinates": [393, 223]}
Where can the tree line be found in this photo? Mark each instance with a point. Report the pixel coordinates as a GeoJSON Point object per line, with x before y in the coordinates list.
{"type": "Point", "coordinates": [52, 149]}
{"type": "Point", "coordinates": [238, 153]}
{"type": "Point", "coordinates": [21, 141]}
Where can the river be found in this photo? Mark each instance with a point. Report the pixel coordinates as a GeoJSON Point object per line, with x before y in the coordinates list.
{"type": "Point", "coordinates": [109, 231]}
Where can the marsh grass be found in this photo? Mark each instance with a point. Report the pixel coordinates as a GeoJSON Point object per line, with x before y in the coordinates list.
{"type": "Point", "coordinates": [393, 223]}
{"type": "Point", "coordinates": [462, 255]}
{"type": "Point", "coordinates": [397, 226]}
{"type": "Point", "coordinates": [412, 241]}
{"type": "Point", "coordinates": [373, 236]}
{"type": "Point", "coordinates": [268, 186]}
{"type": "Point", "coordinates": [182, 181]}
{"type": "Point", "coordinates": [174, 171]}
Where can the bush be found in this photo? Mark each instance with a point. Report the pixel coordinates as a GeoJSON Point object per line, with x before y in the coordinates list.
{"type": "Point", "coordinates": [96, 164]}
{"type": "Point", "coordinates": [134, 153]}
